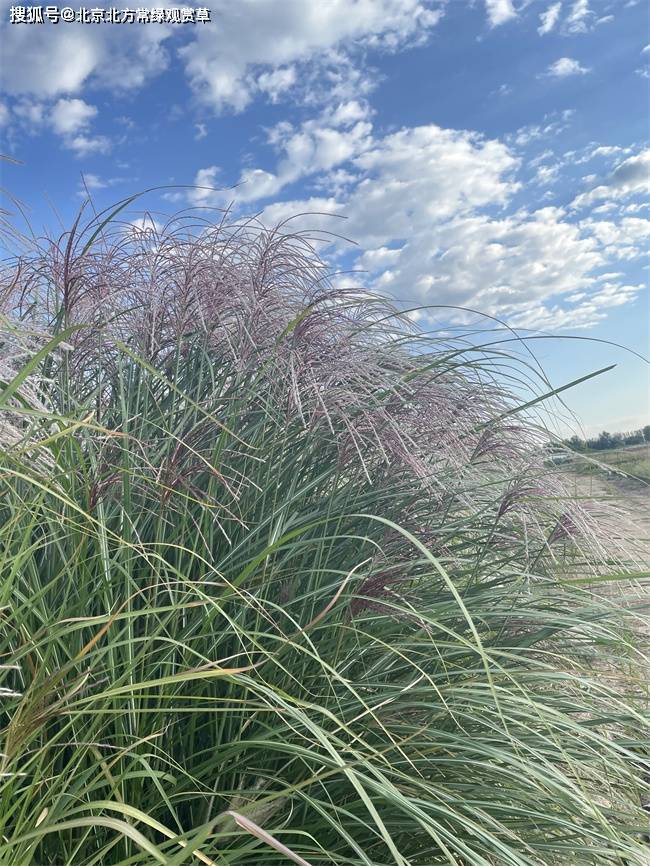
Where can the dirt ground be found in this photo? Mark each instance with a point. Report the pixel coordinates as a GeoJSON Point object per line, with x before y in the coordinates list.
{"type": "Point", "coordinates": [634, 497]}
{"type": "Point", "coordinates": [630, 494]}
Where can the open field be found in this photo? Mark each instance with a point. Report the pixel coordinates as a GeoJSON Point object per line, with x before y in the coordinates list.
{"type": "Point", "coordinates": [626, 484]}
{"type": "Point", "coordinates": [633, 495]}
{"type": "Point", "coordinates": [633, 461]}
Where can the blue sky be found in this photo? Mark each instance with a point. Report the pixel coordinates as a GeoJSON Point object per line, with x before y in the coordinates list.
{"type": "Point", "coordinates": [492, 155]}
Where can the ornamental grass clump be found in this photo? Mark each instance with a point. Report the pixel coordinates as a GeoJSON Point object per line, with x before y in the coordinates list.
{"type": "Point", "coordinates": [285, 580]}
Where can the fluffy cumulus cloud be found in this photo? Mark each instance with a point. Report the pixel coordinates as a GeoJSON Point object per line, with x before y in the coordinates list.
{"type": "Point", "coordinates": [341, 133]}
{"type": "Point", "coordinates": [433, 213]}
{"type": "Point", "coordinates": [85, 145]}
{"type": "Point", "coordinates": [47, 62]}
{"type": "Point", "coordinates": [71, 119]}
{"type": "Point", "coordinates": [499, 11]}
{"type": "Point", "coordinates": [630, 177]}
{"type": "Point", "coordinates": [622, 239]}
{"type": "Point", "coordinates": [69, 116]}
{"type": "Point", "coordinates": [592, 308]}
{"type": "Point", "coordinates": [415, 180]}
{"type": "Point", "coordinates": [92, 182]}
{"type": "Point", "coordinates": [437, 214]}
{"type": "Point", "coordinates": [536, 269]}
{"type": "Point", "coordinates": [565, 67]}
{"type": "Point", "coordinates": [249, 49]}
{"type": "Point", "coordinates": [500, 265]}
{"type": "Point", "coordinates": [252, 47]}
{"type": "Point", "coordinates": [50, 60]}
{"type": "Point", "coordinates": [277, 82]}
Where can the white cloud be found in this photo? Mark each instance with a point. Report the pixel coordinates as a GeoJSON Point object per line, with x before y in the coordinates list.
{"type": "Point", "coordinates": [71, 119]}
{"type": "Point", "coordinates": [621, 424]}
{"type": "Point", "coordinates": [4, 115]}
{"type": "Point", "coordinates": [417, 178]}
{"type": "Point", "coordinates": [146, 225]}
{"type": "Point", "coordinates": [127, 62]}
{"type": "Point", "coordinates": [553, 124]}
{"type": "Point", "coordinates": [565, 67]}
{"type": "Point", "coordinates": [579, 18]}
{"type": "Point", "coordinates": [91, 182]}
{"type": "Point", "coordinates": [499, 11]}
{"type": "Point", "coordinates": [277, 82]}
{"type": "Point", "coordinates": [206, 185]}
{"type": "Point", "coordinates": [646, 50]}
{"type": "Point", "coordinates": [230, 61]}
{"type": "Point", "coordinates": [86, 145]}
{"type": "Point", "coordinates": [71, 115]}
{"type": "Point", "coordinates": [317, 146]}
{"type": "Point", "coordinates": [589, 309]}
{"type": "Point", "coordinates": [46, 60]}
{"type": "Point", "coordinates": [51, 60]}
{"type": "Point", "coordinates": [201, 131]}
{"type": "Point", "coordinates": [549, 18]}
{"type": "Point", "coordinates": [544, 156]}
{"type": "Point", "coordinates": [547, 174]}
{"type": "Point", "coordinates": [622, 240]}
{"type": "Point", "coordinates": [346, 113]}
{"type": "Point", "coordinates": [379, 259]}
{"type": "Point", "coordinates": [30, 114]}
{"type": "Point", "coordinates": [308, 50]}
{"type": "Point", "coordinates": [634, 207]}
{"type": "Point", "coordinates": [601, 150]}
{"type": "Point", "coordinates": [499, 265]}
{"type": "Point", "coordinates": [431, 210]}
{"type": "Point", "coordinates": [413, 178]}
{"type": "Point", "coordinates": [630, 177]}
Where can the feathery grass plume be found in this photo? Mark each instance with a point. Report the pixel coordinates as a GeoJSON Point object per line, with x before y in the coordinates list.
{"type": "Point", "coordinates": [285, 580]}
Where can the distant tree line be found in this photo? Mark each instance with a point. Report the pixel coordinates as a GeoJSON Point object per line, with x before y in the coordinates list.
{"type": "Point", "coordinates": [609, 440]}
